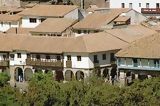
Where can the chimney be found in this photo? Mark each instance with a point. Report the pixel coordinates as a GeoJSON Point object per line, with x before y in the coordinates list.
{"type": "Point", "coordinates": [82, 4]}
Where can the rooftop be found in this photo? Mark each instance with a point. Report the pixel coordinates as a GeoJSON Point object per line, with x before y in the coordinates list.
{"type": "Point", "coordinates": [98, 20]}
{"type": "Point", "coordinates": [147, 47]}
{"type": "Point", "coordinates": [48, 10]}
{"type": "Point", "coordinates": [131, 32]}
{"type": "Point", "coordinates": [54, 25]}
{"type": "Point", "coordinates": [84, 44]}
{"type": "Point", "coordinates": [9, 18]}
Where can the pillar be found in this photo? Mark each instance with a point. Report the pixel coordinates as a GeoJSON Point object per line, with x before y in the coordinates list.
{"type": "Point", "coordinates": [122, 78]}
{"type": "Point", "coordinates": [0, 70]}
{"type": "Point", "coordinates": [43, 71]}
{"type": "Point", "coordinates": [23, 75]}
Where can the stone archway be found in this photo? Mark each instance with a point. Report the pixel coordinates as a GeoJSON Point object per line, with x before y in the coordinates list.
{"type": "Point", "coordinates": [105, 73]}
{"type": "Point", "coordinates": [59, 75]}
{"type": "Point", "coordinates": [48, 71]}
{"type": "Point", "coordinates": [28, 73]}
{"type": "Point", "coordinates": [38, 70]}
{"type": "Point", "coordinates": [19, 74]}
{"type": "Point", "coordinates": [69, 75]}
{"type": "Point", "coordinates": [79, 75]}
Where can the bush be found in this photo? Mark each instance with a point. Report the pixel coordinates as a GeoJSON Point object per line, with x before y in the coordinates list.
{"type": "Point", "coordinates": [4, 78]}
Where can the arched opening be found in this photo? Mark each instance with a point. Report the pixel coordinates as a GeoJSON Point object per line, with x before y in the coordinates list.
{"type": "Point", "coordinates": [68, 75]}
{"type": "Point", "coordinates": [79, 75]}
{"type": "Point", "coordinates": [59, 75]}
{"type": "Point", "coordinates": [19, 74]}
{"type": "Point", "coordinates": [106, 73]}
{"type": "Point", "coordinates": [48, 71]}
{"type": "Point", "coordinates": [37, 70]}
{"type": "Point", "coordinates": [28, 74]}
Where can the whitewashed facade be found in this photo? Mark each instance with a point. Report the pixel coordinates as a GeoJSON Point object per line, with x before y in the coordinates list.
{"type": "Point", "coordinates": [135, 4]}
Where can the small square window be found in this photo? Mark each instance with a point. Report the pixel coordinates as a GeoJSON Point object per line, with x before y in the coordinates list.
{"type": "Point", "coordinates": [139, 4]}
{"type": "Point", "coordinates": [104, 56]}
{"type": "Point", "coordinates": [48, 57]}
{"type": "Point", "coordinates": [12, 56]}
{"type": "Point", "coordinates": [58, 57]}
{"type": "Point", "coordinates": [28, 55]}
{"type": "Point", "coordinates": [68, 57]}
{"type": "Point", "coordinates": [32, 20]}
{"type": "Point", "coordinates": [38, 56]}
{"type": "Point", "coordinates": [78, 58]}
{"type": "Point", "coordinates": [18, 55]}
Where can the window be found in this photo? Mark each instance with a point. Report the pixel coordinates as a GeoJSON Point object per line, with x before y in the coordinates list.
{"type": "Point", "coordinates": [4, 57]}
{"type": "Point", "coordinates": [58, 57]}
{"type": "Point", "coordinates": [130, 5]}
{"type": "Point", "coordinates": [38, 56]}
{"type": "Point", "coordinates": [78, 58]}
{"type": "Point", "coordinates": [18, 55]}
{"type": "Point", "coordinates": [157, 5]}
{"type": "Point", "coordinates": [135, 62]}
{"type": "Point", "coordinates": [95, 59]}
{"type": "Point", "coordinates": [32, 20]}
{"type": "Point", "coordinates": [48, 57]}
{"type": "Point", "coordinates": [28, 55]}
{"type": "Point", "coordinates": [42, 19]}
{"type": "Point", "coordinates": [12, 56]}
{"type": "Point", "coordinates": [122, 5]}
{"type": "Point", "coordinates": [103, 56]}
{"type": "Point", "coordinates": [9, 24]}
{"type": "Point", "coordinates": [156, 63]}
{"type": "Point", "coordinates": [139, 4]}
{"type": "Point", "coordinates": [147, 5]}
{"type": "Point", "coordinates": [112, 57]}
{"type": "Point", "coordinates": [79, 31]}
{"type": "Point", "coordinates": [2, 24]}
{"type": "Point", "coordinates": [68, 57]}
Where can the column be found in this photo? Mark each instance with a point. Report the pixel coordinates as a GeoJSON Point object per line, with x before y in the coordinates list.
{"type": "Point", "coordinates": [23, 75]}
{"type": "Point", "coordinates": [136, 76]}
{"type": "Point", "coordinates": [0, 70]}
{"type": "Point", "coordinates": [43, 71]}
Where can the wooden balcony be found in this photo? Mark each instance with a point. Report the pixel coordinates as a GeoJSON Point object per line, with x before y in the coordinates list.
{"type": "Point", "coordinates": [150, 10]}
{"type": "Point", "coordinates": [69, 64]}
{"type": "Point", "coordinates": [44, 63]}
{"type": "Point", "coordinates": [4, 63]}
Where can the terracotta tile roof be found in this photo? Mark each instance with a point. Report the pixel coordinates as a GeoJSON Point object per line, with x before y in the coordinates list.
{"type": "Point", "coordinates": [88, 43]}
{"type": "Point", "coordinates": [147, 47]}
{"type": "Point", "coordinates": [131, 32]}
{"type": "Point", "coordinates": [54, 25]}
{"type": "Point", "coordinates": [48, 10]}
{"type": "Point", "coordinates": [9, 18]}
{"type": "Point", "coordinates": [98, 20]}
{"type": "Point", "coordinates": [18, 31]}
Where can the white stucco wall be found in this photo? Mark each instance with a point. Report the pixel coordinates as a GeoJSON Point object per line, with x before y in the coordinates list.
{"type": "Point", "coordinates": [135, 4]}
{"type": "Point", "coordinates": [18, 61]}
{"type": "Point", "coordinates": [136, 17]}
{"type": "Point", "coordinates": [5, 26]}
{"type": "Point", "coordinates": [26, 22]}
{"type": "Point", "coordinates": [84, 63]}
{"type": "Point", "coordinates": [72, 15]}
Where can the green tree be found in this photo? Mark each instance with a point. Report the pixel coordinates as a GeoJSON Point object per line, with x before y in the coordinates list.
{"type": "Point", "coordinates": [4, 78]}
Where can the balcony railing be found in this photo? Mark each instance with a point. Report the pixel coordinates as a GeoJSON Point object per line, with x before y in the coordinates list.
{"type": "Point", "coordinates": [150, 10]}
{"type": "Point", "coordinates": [32, 62]}
{"type": "Point", "coordinates": [4, 63]}
{"type": "Point", "coordinates": [69, 64]}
